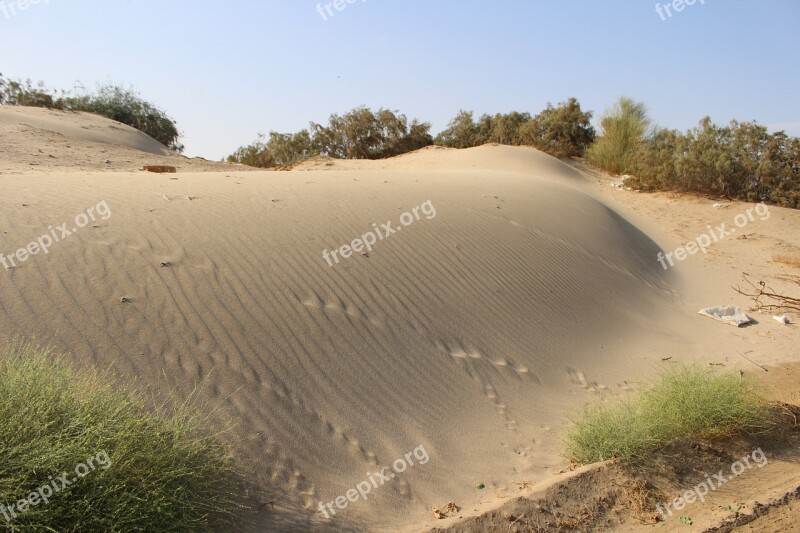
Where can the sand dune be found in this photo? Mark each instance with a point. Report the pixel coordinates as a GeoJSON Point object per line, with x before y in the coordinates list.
{"type": "Point", "coordinates": [80, 125]}
{"type": "Point", "coordinates": [474, 333]}
{"type": "Point", "coordinates": [37, 139]}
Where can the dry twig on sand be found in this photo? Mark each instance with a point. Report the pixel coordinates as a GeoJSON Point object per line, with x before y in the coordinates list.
{"type": "Point", "coordinates": [767, 299]}
{"type": "Point", "coordinates": [448, 510]}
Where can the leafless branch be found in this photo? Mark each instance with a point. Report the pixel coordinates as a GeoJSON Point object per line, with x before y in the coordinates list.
{"type": "Point", "coordinates": [767, 299]}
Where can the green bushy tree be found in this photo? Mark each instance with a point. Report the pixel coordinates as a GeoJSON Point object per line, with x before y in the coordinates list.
{"type": "Point", "coordinates": [508, 128]}
{"type": "Point", "coordinates": [654, 163]}
{"type": "Point", "coordinates": [562, 131]}
{"type": "Point", "coordinates": [624, 127]}
{"type": "Point", "coordinates": [254, 154]}
{"type": "Point", "coordinates": [364, 134]}
{"type": "Point", "coordinates": [461, 132]}
{"type": "Point", "coordinates": [358, 134]}
{"type": "Point", "coordinates": [739, 161]}
{"type": "Point", "coordinates": [289, 148]}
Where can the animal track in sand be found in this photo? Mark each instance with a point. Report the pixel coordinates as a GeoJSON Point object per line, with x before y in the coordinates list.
{"type": "Point", "coordinates": [349, 442]}
{"type": "Point", "coordinates": [337, 306]}
{"type": "Point", "coordinates": [458, 352]}
{"type": "Point", "coordinates": [291, 479]}
{"type": "Point", "coordinates": [472, 356]}
{"type": "Point", "coordinates": [577, 377]}
{"type": "Point", "coordinates": [502, 409]}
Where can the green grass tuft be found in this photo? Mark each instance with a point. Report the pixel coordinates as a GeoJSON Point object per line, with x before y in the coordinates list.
{"type": "Point", "coordinates": [686, 402]}
{"type": "Point", "coordinates": [164, 471]}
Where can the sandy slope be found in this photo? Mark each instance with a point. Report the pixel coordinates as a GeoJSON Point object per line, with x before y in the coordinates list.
{"type": "Point", "coordinates": [766, 351]}
{"type": "Point", "coordinates": [39, 140]}
{"type": "Point", "coordinates": [475, 333]}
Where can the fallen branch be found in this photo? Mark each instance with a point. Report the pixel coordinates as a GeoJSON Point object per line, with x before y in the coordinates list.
{"type": "Point", "coordinates": [767, 299]}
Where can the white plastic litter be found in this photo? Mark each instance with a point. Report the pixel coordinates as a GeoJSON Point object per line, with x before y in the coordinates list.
{"type": "Point", "coordinates": [783, 319]}
{"type": "Point", "coordinates": [721, 206]}
{"type": "Point", "coordinates": [729, 314]}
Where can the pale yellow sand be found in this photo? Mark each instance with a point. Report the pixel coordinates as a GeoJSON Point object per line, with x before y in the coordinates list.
{"type": "Point", "coordinates": [476, 333]}
{"type": "Point", "coordinates": [43, 140]}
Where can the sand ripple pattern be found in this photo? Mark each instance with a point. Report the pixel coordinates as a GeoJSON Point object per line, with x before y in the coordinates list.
{"type": "Point", "coordinates": [473, 323]}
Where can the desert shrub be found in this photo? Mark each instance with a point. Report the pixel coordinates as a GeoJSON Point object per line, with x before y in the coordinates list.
{"type": "Point", "coordinates": [740, 161]}
{"type": "Point", "coordinates": [289, 148]}
{"type": "Point", "coordinates": [685, 402]}
{"type": "Point", "coordinates": [279, 150]}
{"type": "Point", "coordinates": [462, 132]}
{"type": "Point", "coordinates": [654, 162]}
{"type": "Point", "coordinates": [155, 469]}
{"type": "Point", "coordinates": [764, 166]}
{"type": "Point", "coordinates": [25, 93]}
{"type": "Point", "coordinates": [363, 134]}
{"type": "Point", "coordinates": [623, 128]}
{"type": "Point", "coordinates": [562, 131]}
{"type": "Point", "coordinates": [254, 154]}
{"type": "Point", "coordinates": [783, 181]}
{"type": "Point", "coordinates": [508, 128]}
{"type": "Point", "coordinates": [358, 134]}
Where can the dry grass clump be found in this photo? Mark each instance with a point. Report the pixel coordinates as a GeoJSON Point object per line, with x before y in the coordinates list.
{"type": "Point", "coordinates": [685, 402]}
{"type": "Point", "coordinates": [161, 470]}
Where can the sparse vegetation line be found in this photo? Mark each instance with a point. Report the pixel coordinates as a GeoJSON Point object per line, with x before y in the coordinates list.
{"type": "Point", "coordinates": [741, 161]}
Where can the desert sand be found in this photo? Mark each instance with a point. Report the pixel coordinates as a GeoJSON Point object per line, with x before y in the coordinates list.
{"type": "Point", "coordinates": [475, 334]}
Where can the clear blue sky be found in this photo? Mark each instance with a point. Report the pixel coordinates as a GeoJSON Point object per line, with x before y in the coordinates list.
{"type": "Point", "coordinates": [229, 70]}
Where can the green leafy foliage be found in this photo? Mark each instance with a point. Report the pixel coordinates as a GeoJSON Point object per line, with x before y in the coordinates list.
{"type": "Point", "coordinates": [362, 134]}
{"type": "Point", "coordinates": [358, 134]}
{"type": "Point", "coordinates": [623, 128]}
{"type": "Point", "coordinates": [561, 131]}
{"type": "Point", "coordinates": [462, 132]}
{"type": "Point", "coordinates": [740, 161]}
